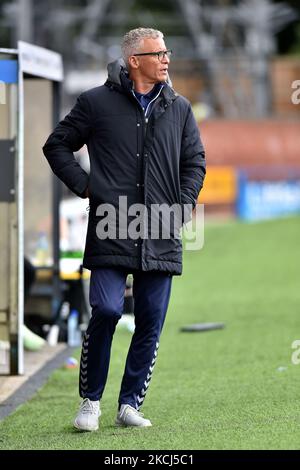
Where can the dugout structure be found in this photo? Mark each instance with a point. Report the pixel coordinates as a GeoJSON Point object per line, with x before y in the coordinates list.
{"type": "Point", "coordinates": [30, 78]}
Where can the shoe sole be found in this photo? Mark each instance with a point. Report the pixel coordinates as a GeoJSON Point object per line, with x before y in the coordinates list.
{"type": "Point", "coordinates": [120, 424]}
{"type": "Point", "coordinates": [85, 429]}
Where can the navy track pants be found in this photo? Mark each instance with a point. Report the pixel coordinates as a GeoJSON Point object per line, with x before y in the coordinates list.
{"type": "Point", "coordinates": [151, 291]}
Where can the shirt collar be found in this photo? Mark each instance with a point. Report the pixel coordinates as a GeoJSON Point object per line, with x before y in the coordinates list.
{"type": "Point", "coordinates": [157, 87]}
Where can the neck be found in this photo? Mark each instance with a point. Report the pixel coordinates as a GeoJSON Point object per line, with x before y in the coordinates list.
{"type": "Point", "coordinates": [143, 87]}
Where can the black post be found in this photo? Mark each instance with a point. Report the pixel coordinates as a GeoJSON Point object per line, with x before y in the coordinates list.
{"type": "Point", "coordinates": [56, 197]}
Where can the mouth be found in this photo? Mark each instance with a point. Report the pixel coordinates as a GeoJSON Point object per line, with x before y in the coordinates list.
{"type": "Point", "coordinates": [165, 70]}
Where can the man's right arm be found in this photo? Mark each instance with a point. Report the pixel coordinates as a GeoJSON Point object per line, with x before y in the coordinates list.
{"type": "Point", "coordinates": [68, 137]}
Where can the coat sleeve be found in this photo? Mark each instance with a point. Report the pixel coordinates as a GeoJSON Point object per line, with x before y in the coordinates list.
{"type": "Point", "coordinates": [192, 161]}
{"type": "Point", "coordinates": [69, 136]}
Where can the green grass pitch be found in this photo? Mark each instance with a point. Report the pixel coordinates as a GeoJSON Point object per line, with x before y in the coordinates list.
{"type": "Point", "coordinates": [235, 388]}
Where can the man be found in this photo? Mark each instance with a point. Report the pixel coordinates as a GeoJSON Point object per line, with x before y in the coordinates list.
{"type": "Point", "coordinates": [144, 146]}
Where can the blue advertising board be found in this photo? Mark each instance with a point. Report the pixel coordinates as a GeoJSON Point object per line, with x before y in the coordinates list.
{"type": "Point", "coordinates": [260, 200]}
{"type": "Point", "coordinates": [8, 71]}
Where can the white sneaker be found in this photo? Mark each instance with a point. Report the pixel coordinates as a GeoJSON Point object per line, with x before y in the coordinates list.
{"type": "Point", "coordinates": [129, 416]}
{"type": "Point", "coordinates": [88, 415]}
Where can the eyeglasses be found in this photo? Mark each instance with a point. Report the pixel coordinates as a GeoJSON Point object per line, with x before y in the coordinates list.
{"type": "Point", "coordinates": [160, 54]}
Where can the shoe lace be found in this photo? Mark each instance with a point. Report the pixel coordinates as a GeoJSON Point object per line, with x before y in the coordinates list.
{"type": "Point", "coordinates": [87, 406]}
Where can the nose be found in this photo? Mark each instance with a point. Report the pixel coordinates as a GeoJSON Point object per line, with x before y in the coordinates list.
{"type": "Point", "coordinates": [166, 59]}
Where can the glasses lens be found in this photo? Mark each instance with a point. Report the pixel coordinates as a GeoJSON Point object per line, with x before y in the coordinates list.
{"type": "Point", "coordinates": [163, 54]}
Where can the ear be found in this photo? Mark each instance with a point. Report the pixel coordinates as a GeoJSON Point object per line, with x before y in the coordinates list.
{"type": "Point", "coordinates": [133, 62]}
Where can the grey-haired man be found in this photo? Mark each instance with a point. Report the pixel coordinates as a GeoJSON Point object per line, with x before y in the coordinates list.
{"type": "Point", "coordinates": [144, 145]}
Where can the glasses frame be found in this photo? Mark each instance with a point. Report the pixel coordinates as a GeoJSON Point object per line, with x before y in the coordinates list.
{"type": "Point", "coordinates": [159, 54]}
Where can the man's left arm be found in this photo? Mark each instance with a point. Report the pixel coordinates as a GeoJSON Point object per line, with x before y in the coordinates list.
{"type": "Point", "coordinates": [192, 161]}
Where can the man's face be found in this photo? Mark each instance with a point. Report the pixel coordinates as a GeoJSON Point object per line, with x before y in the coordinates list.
{"type": "Point", "coordinates": [150, 67]}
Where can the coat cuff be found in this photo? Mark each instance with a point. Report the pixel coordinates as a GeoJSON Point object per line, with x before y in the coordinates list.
{"type": "Point", "coordinates": [81, 187]}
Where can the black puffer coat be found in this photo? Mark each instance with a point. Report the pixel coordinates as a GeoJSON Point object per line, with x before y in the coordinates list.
{"type": "Point", "coordinates": [154, 162]}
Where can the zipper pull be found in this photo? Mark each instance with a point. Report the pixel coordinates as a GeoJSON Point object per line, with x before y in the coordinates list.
{"type": "Point", "coordinates": [146, 120]}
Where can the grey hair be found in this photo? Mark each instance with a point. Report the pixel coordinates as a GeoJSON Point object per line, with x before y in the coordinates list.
{"type": "Point", "coordinates": [131, 42]}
